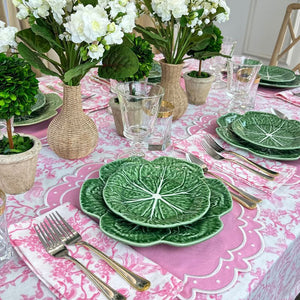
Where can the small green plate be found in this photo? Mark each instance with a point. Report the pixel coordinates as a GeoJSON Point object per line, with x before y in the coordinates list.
{"type": "Point", "coordinates": [40, 101]}
{"type": "Point", "coordinates": [159, 193]}
{"type": "Point", "coordinates": [284, 85]}
{"type": "Point", "coordinates": [276, 74]}
{"type": "Point", "coordinates": [268, 130]}
{"type": "Point", "coordinates": [49, 110]}
{"type": "Point", "coordinates": [93, 204]}
{"type": "Point", "coordinates": [226, 134]}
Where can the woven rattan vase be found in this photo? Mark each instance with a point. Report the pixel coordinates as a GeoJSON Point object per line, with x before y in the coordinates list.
{"type": "Point", "coordinates": [72, 134]}
{"type": "Point", "coordinates": [174, 93]}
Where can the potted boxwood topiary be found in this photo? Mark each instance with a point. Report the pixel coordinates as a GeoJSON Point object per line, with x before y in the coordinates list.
{"type": "Point", "coordinates": [143, 51]}
{"type": "Point", "coordinates": [198, 83]}
{"type": "Point", "coordinates": [18, 152]}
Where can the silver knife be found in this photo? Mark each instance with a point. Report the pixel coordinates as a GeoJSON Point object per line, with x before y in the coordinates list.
{"type": "Point", "coordinates": [242, 197]}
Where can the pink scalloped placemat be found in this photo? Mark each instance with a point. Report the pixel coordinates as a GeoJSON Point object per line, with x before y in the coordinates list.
{"type": "Point", "coordinates": [209, 267]}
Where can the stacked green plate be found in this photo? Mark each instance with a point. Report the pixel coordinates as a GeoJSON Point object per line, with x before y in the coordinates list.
{"type": "Point", "coordinates": [263, 134]}
{"type": "Point", "coordinates": [165, 201]}
{"type": "Point", "coordinates": [274, 76]}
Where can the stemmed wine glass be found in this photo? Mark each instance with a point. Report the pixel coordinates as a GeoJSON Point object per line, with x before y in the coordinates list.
{"type": "Point", "coordinates": [139, 103]}
{"type": "Point", "coordinates": [218, 63]}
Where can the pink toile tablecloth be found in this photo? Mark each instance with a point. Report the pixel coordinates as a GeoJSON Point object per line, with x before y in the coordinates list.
{"type": "Point", "coordinates": [255, 256]}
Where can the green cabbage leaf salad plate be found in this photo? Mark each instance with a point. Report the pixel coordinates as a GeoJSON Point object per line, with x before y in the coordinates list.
{"type": "Point", "coordinates": [93, 203]}
{"type": "Point", "coordinates": [225, 132]}
{"type": "Point", "coordinates": [276, 74]}
{"type": "Point", "coordinates": [267, 130]}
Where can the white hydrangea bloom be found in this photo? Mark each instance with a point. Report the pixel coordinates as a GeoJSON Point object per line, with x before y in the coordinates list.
{"type": "Point", "coordinates": [115, 37]}
{"type": "Point", "coordinates": [165, 9]}
{"type": "Point", "coordinates": [87, 24]}
{"type": "Point", "coordinates": [7, 37]}
{"type": "Point", "coordinates": [96, 51]}
{"type": "Point", "coordinates": [57, 8]}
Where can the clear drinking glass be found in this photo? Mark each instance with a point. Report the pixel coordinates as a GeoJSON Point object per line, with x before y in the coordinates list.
{"type": "Point", "coordinates": [242, 72]}
{"type": "Point", "coordinates": [5, 246]}
{"type": "Point", "coordinates": [139, 103]}
{"type": "Point", "coordinates": [218, 63]}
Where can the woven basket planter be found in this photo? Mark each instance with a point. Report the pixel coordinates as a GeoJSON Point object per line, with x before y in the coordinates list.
{"type": "Point", "coordinates": [72, 134]}
{"type": "Point", "coordinates": [197, 89]}
{"type": "Point", "coordinates": [174, 93]}
{"type": "Point", "coordinates": [17, 171]}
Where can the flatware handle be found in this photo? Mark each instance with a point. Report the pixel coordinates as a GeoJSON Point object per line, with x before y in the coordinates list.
{"type": "Point", "coordinates": [241, 192]}
{"type": "Point", "coordinates": [262, 168]}
{"type": "Point", "coordinates": [243, 201]}
{"type": "Point", "coordinates": [109, 292]}
{"type": "Point", "coordinates": [250, 169]}
{"type": "Point", "coordinates": [136, 281]}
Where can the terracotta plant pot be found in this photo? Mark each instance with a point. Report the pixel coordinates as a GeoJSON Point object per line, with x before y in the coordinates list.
{"type": "Point", "coordinates": [197, 89]}
{"type": "Point", "coordinates": [174, 93]}
{"type": "Point", "coordinates": [17, 171]}
{"type": "Point", "coordinates": [72, 134]}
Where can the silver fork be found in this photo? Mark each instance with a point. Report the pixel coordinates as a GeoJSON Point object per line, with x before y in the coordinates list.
{"type": "Point", "coordinates": [69, 236]}
{"type": "Point", "coordinates": [51, 242]}
{"type": "Point", "coordinates": [279, 114]}
{"type": "Point", "coordinates": [214, 154]}
{"type": "Point", "coordinates": [211, 142]}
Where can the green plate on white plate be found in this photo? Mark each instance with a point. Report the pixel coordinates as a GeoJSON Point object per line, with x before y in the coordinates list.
{"type": "Point", "coordinates": [276, 74]}
{"type": "Point", "coordinates": [47, 111]}
{"type": "Point", "coordinates": [159, 193]}
{"type": "Point", "coordinates": [284, 85]}
{"type": "Point", "coordinates": [267, 130]}
{"type": "Point", "coordinates": [92, 203]}
{"type": "Point", "coordinates": [225, 133]}
{"type": "Point", "coordinates": [40, 101]}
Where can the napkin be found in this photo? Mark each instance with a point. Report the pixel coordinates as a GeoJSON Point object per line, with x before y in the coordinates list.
{"type": "Point", "coordinates": [67, 281]}
{"type": "Point", "coordinates": [193, 145]}
{"type": "Point", "coordinates": [289, 96]}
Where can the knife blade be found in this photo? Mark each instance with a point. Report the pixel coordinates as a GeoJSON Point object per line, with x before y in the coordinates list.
{"type": "Point", "coordinates": [244, 198]}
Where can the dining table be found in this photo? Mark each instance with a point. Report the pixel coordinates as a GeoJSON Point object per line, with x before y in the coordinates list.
{"type": "Point", "coordinates": [255, 255]}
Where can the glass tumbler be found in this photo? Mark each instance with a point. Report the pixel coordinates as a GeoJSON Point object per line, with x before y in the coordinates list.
{"type": "Point", "coordinates": [5, 246]}
{"type": "Point", "coordinates": [160, 138]}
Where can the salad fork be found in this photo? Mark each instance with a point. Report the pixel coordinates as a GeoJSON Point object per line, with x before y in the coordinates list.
{"type": "Point", "coordinates": [70, 236]}
{"type": "Point", "coordinates": [211, 142]}
{"type": "Point", "coordinates": [47, 234]}
{"type": "Point", "coordinates": [214, 154]}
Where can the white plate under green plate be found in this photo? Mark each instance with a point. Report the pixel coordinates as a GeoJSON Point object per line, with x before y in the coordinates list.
{"type": "Point", "coordinates": [158, 194]}
{"type": "Point", "coordinates": [284, 85]}
{"type": "Point", "coordinates": [226, 134]}
{"type": "Point", "coordinates": [92, 203]}
{"type": "Point", "coordinates": [268, 130]}
{"type": "Point", "coordinates": [49, 110]}
{"type": "Point", "coordinates": [276, 74]}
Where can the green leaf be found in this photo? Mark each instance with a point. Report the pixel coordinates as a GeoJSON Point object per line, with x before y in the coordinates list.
{"type": "Point", "coordinates": [152, 36]}
{"type": "Point", "coordinates": [119, 62]}
{"type": "Point", "coordinates": [34, 60]}
{"type": "Point", "coordinates": [34, 41]}
{"type": "Point", "coordinates": [46, 34]}
{"type": "Point", "coordinates": [78, 71]}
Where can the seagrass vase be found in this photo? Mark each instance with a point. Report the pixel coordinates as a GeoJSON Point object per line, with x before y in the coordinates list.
{"type": "Point", "coordinates": [72, 134]}
{"type": "Point", "coordinates": [174, 93]}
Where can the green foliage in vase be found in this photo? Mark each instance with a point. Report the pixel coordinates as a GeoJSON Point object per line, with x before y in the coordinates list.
{"type": "Point", "coordinates": [21, 144]}
{"type": "Point", "coordinates": [18, 87]}
{"type": "Point", "coordinates": [210, 46]}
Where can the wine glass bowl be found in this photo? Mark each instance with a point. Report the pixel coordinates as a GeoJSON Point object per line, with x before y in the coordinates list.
{"type": "Point", "coordinates": [139, 104]}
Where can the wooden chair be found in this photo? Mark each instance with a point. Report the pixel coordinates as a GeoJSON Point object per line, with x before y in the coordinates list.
{"type": "Point", "coordinates": [286, 25]}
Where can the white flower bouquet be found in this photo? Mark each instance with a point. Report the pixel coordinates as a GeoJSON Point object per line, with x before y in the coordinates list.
{"type": "Point", "coordinates": [181, 26]}
{"type": "Point", "coordinates": [84, 34]}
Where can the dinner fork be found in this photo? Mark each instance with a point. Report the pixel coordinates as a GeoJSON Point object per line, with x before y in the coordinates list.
{"type": "Point", "coordinates": [48, 236]}
{"type": "Point", "coordinates": [217, 156]}
{"type": "Point", "coordinates": [211, 142]}
{"type": "Point", "coordinates": [69, 236]}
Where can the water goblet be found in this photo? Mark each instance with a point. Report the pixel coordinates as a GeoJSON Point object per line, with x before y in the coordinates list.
{"type": "Point", "coordinates": [242, 72]}
{"type": "Point", "coordinates": [139, 104]}
{"type": "Point", "coordinates": [6, 251]}
{"type": "Point", "coordinates": [218, 63]}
